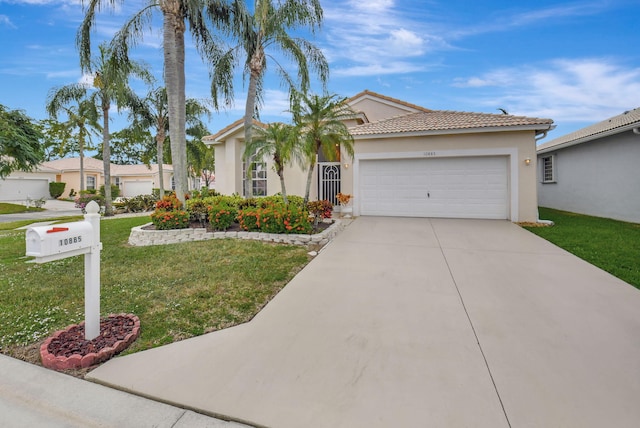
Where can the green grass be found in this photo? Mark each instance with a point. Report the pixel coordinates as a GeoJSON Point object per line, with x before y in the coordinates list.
{"type": "Point", "coordinates": [6, 208]}
{"type": "Point", "coordinates": [611, 245]}
{"type": "Point", "coordinates": [177, 291]}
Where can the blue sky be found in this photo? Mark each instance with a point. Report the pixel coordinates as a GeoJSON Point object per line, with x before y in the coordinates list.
{"type": "Point", "coordinates": [574, 62]}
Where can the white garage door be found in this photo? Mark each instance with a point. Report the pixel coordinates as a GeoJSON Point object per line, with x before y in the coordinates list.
{"type": "Point", "coordinates": [135, 188]}
{"type": "Point", "coordinates": [19, 189]}
{"type": "Point", "coordinates": [459, 187]}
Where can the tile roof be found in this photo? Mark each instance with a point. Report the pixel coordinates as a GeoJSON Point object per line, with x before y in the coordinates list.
{"type": "Point", "coordinates": [96, 165]}
{"type": "Point", "coordinates": [444, 120]}
{"type": "Point", "coordinates": [237, 124]}
{"type": "Point", "coordinates": [619, 123]}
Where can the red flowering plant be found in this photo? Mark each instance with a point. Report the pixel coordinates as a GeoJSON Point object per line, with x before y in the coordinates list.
{"type": "Point", "coordinates": [169, 214]}
{"type": "Point", "coordinates": [320, 210]}
{"type": "Point", "coordinates": [222, 217]}
{"type": "Point", "coordinates": [165, 220]}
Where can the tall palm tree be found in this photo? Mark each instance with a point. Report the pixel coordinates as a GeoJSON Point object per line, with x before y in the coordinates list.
{"type": "Point", "coordinates": [82, 122]}
{"type": "Point", "coordinates": [281, 143]}
{"type": "Point", "coordinates": [110, 84]}
{"type": "Point", "coordinates": [320, 121]}
{"type": "Point", "coordinates": [177, 15]}
{"type": "Point", "coordinates": [266, 29]}
{"type": "Point", "coordinates": [152, 112]}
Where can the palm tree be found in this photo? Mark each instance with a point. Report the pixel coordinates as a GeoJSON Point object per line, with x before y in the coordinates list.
{"type": "Point", "coordinates": [177, 14]}
{"type": "Point", "coordinates": [265, 29]}
{"type": "Point", "coordinates": [82, 121]}
{"type": "Point", "coordinates": [110, 84]}
{"type": "Point", "coordinates": [320, 121]}
{"type": "Point", "coordinates": [280, 142]}
{"type": "Point", "coordinates": [153, 112]}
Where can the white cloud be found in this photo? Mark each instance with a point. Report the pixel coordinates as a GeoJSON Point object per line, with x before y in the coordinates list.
{"type": "Point", "coordinates": [573, 90]}
{"type": "Point", "coordinates": [6, 22]}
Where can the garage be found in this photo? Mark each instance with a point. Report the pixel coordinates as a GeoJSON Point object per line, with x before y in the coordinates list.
{"type": "Point", "coordinates": [135, 188]}
{"type": "Point", "coordinates": [19, 189]}
{"type": "Point", "coordinates": [451, 187]}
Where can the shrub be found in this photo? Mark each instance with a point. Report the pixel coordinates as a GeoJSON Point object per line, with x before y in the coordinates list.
{"type": "Point", "coordinates": [115, 191]}
{"type": "Point", "coordinates": [72, 193]}
{"type": "Point", "coordinates": [165, 220]}
{"type": "Point", "coordinates": [198, 210]}
{"type": "Point", "coordinates": [222, 217]}
{"type": "Point", "coordinates": [169, 202]}
{"type": "Point", "coordinates": [249, 219]}
{"type": "Point", "coordinates": [56, 189]}
{"type": "Point", "coordinates": [320, 210]}
{"type": "Point", "coordinates": [85, 198]}
{"type": "Point", "coordinates": [140, 203]}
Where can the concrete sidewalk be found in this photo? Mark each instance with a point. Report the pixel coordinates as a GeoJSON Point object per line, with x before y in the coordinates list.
{"type": "Point", "coordinates": [417, 322]}
{"type": "Point", "coordinates": [32, 396]}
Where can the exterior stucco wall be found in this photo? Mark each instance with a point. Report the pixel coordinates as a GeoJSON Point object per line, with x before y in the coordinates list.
{"type": "Point", "coordinates": [377, 110]}
{"type": "Point", "coordinates": [599, 178]}
{"type": "Point", "coordinates": [517, 146]}
{"type": "Point", "coordinates": [72, 178]}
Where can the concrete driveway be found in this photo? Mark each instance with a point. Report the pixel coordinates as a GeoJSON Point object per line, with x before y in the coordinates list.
{"type": "Point", "coordinates": [417, 322]}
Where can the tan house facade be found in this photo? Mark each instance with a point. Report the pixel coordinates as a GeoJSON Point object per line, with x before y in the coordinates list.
{"type": "Point", "coordinates": [413, 162]}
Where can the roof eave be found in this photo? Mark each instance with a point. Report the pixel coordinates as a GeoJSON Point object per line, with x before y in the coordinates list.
{"type": "Point", "coordinates": [588, 138]}
{"type": "Point", "coordinates": [487, 129]}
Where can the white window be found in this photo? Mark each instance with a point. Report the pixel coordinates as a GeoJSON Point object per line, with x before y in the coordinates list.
{"type": "Point", "coordinates": [548, 169]}
{"type": "Point", "coordinates": [117, 181]}
{"type": "Point", "coordinates": [258, 178]}
{"type": "Point", "coordinates": [173, 183]}
{"type": "Point", "coordinates": [91, 182]}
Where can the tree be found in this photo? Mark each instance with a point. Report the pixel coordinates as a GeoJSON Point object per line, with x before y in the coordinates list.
{"type": "Point", "coordinates": [280, 142]}
{"type": "Point", "coordinates": [265, 29]}
{"type": "Point", "coordinates": [177, 14]}
{"type": "Point", "coordinates": [20, 147]}
{"type": "Point", "coordinates": [74, 135]}
{"type": "Point", "coordinates": [320, 122]}
{"type": "Point", "coordinates": [110, 84]}
{"type": "Point", "coordinates": [152, 112]}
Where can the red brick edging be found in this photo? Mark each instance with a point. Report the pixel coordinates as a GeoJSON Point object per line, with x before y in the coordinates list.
{"type": "Point", "coordinates": [77, 361]}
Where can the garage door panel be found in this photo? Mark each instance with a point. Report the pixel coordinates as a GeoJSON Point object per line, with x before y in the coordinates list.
{"type": "Point", "coordinates": [473, 187]}
{"type": "Point", "coordinates": [18, 189]}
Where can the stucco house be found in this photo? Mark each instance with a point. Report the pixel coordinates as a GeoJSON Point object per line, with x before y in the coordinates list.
{"type": "Point", "coordinates": [411, 161]}
{"type": "Point", "coordinates": [132, 180]}
{"type": "Point", "coordinates": [594, 170]}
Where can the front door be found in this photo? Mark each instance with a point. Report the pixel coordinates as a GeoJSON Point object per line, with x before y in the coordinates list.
{"type": "Point", "coordinates": [329, 181]}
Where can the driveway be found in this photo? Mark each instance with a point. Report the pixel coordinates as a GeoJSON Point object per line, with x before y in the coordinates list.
{"type": "Point", "coordinates": [404, 322]}
{"type": "Point", "coordinates": [53, 208]}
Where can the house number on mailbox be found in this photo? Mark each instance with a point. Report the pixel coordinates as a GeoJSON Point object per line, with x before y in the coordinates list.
{"type": "Point", "coordinates": [69, 241]}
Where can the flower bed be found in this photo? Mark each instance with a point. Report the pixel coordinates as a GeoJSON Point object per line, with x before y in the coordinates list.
{"type": "Point", "coordinates": [142, 237]}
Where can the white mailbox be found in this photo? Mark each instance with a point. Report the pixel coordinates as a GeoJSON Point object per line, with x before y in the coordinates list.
{"type": "Point", "coordinates": [48, 243]}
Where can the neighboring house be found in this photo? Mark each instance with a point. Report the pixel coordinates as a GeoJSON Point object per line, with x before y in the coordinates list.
{"type": "Point", "coordinates": [20, 186]}
{"type": "Point", "coordinates": [594, 170]}
{"type": "Point", "coordinates": [411, 161]}
{"type": "Point", "coordinates": [132, 180]}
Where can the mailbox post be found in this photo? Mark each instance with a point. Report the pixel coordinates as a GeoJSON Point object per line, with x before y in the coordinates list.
{"type": "Point", "coordinates": [48, 243]}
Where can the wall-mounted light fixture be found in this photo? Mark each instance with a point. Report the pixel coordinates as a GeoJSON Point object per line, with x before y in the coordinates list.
{"type": "Point", "coordinates": [527, 161]}
{"type": "Point", "coordinates": [346, 166]}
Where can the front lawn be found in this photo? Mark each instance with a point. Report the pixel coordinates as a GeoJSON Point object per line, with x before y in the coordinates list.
{"type": "Point", "coordinates": [6, 208]}
{"type": "Point", "coordinates": [611, 245]}
{"type": "Point", "coordinates": [177, 291]}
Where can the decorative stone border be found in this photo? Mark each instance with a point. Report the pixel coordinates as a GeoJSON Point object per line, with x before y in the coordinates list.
{"type": "Point", "coordinates": [77, 361]}
{"type": "Point", "coordinates": [140, 237]}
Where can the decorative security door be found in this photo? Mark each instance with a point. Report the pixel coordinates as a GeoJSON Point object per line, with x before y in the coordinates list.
{"type": "Point", "coordinates": [329, 181]}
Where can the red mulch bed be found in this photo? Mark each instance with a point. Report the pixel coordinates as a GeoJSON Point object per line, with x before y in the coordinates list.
{"type": "Point", "coordinates": [68, 348]}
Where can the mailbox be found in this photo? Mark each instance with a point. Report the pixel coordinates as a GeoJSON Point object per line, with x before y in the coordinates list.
{"type": "Point", "coordinates": [59, 241]}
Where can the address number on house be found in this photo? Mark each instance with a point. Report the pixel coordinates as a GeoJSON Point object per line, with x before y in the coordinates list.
{"type": "Point", "coordinates": [429, 154]}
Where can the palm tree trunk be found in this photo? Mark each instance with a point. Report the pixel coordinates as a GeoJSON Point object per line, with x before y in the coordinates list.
{"type": "Point", "coordinates": [81, 166]}
{"type": "Point", "coordinates": [255, 66]}
{"type": "Point", "coordinates": [309, 179]}
{"type": "Point", "coordinates": [284, 189]}
{"type": "Point", "coordinates": [160, 147]}
{"type": "Point", "coordinates": [106, 160]}
{"type": "Point", "coordinates": [173, 28]}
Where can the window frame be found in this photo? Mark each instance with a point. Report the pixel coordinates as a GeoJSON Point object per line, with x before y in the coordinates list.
{"type": "Point", "coordinates": [259, 178]}
{"type": "Point", "coordinates": [94, 182]}
{"type": "Point", "coordinates": [548, 167]}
